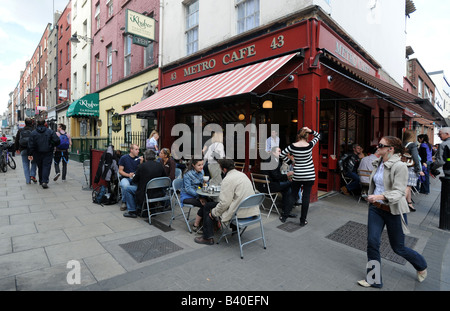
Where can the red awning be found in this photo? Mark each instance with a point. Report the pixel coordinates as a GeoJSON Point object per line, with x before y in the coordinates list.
{"type": "Point", "coordinates": [231, 83]}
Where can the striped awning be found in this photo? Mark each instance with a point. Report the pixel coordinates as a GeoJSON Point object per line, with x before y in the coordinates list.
{"type": "Point", "coordinates": [231, 83]}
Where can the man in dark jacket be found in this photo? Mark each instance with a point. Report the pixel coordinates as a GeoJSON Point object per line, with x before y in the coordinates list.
{"type": "Point", "coordinates": [41, 144]}
{"type": "Point", "coordinates": [21, 145]}
{"type": "Point", "coordinates": [350, 169]}
{"type": "Point", "coordinates": [145, 172]}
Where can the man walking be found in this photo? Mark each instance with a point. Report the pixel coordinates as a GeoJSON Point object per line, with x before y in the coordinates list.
{"type": "Point", "coordinates": [62, 151]}
{"type": "Point", "coordinates": [443, 153]}
{"type": "Point", "coordinates": [41, 144]}
{"type": "Point", "coordinates": [21, 145]}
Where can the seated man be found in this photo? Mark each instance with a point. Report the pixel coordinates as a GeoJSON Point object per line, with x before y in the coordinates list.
{"type": "Point", "coordinates": [350, 169]}
{"type": "Point", "coordinates": [127, 167]}
{"type": "Point", "coordinates": [279, 182]}
{"type": "Point", "coordinates": [135, 196]}
{"type": "Point", "coordinates": [366, 167]}
{"type": "Point", "coordinates": [235, 187]}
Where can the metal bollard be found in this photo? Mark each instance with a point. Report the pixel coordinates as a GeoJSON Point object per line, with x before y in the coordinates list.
{"type": "Point", "coordinates": [444, 217]}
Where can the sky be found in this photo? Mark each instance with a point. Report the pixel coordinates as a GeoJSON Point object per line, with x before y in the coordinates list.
{"type": "Point", "coordinates": [22, 23]}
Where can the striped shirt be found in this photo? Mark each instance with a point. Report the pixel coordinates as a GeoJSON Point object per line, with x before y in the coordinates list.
{"type": "Point", "coordinates": [304, 165]}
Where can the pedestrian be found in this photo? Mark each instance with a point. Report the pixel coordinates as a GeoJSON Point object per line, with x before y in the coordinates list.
{"type": "Point", "coordinates": [4, 138]}
{"type": "Point", "coordinates": [152, 142]}
{"type": "Point", "coordinates": [40, 147]}
{"type": "Point", "coordinates": [62, 151]}
{"type": "Point", "coordinates": [443, 153]}
{"type": "Point", "coordinates": [215, 152]}
{"type": "Point", "coordinates": [388, 207]}
{"type": "Point", "coordinates": [304, 171]}
{"type": "Point", "coordinates": [135, 196]}
{"type": "Point", "coordinates": [426, 158]}
{"type": "Point", "coordinates": [411, 151]}
{"type": "Point", "coordinates": [236, 187]}
{"type": "Point", "coordinates": [21, 145]}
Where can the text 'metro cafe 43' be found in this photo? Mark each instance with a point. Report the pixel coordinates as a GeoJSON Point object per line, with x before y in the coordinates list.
{"type": "Point", "coordinates": [309, 71]}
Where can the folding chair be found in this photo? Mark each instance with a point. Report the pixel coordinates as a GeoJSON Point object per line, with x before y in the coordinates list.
{"type": "Point", "coordinates": [347, 180]}
{"type": "Point", "coordinates": [364, 186]}
{"type": "Point", "coordinates": [160, 183]}
{"type": "Point", "coordinates": [177, 184]}
{"type": "Point", "coordinates": [243, 223]}
{"type": "Point", "coordinates": [263, 180]}
{"type": "Point", "coordinates": [239, 166]}
{"type": "Point", "coordinates": [178, 173]}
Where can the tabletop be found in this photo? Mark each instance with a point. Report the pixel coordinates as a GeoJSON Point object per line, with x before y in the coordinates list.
{"type": "Point", "coordinates": [207, 194]}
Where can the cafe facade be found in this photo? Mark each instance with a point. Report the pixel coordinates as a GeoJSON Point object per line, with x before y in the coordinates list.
{"type": "Point", "coordinates": [290, 74]}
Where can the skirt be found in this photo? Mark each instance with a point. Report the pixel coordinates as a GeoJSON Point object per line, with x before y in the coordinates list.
{"type": "Point", "coordinates": [413, 177]}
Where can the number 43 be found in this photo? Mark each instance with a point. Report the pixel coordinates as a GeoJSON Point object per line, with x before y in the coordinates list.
{"type": "Point", "coordinates": [277, 42]}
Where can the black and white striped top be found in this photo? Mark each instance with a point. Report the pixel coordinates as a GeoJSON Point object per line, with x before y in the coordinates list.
{"type": "Point", "coordinates": [304, 165]}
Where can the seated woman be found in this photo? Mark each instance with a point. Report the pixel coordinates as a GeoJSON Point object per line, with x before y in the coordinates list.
{"type": "Point", "coordinates": [193, 180]}
{"type": "Point", "coordinates": [167, 162]}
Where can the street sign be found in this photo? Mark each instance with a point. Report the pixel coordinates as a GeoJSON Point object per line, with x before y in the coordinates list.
{"type": "Point", "coordinates": [141, 41]}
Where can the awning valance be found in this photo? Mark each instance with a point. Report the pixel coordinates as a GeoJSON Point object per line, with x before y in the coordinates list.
{"type": "Point", "coordinates": [87, 106]}
{"type": "Point", "coordinates": [231, 83]}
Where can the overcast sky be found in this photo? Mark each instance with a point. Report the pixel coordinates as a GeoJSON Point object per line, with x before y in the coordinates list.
{"type": "Point", "coordinates": [22, 23]}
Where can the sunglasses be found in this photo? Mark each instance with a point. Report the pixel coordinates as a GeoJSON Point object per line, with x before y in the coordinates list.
{"type": "Point", "coordinates": [382, 146]}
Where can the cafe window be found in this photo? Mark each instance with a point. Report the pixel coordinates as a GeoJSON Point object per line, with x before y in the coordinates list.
{"type": "Point", "coordinates": [192, 12]}
{"type": "Point", "coordinates": [247, 15]}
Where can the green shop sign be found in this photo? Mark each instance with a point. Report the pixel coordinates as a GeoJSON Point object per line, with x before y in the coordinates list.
{"type": "Point", "coordinates": [87, 106]}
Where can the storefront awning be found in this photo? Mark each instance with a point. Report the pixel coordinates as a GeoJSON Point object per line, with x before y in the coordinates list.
{"type": "Point", "coordinates": [87, 106]}
{"type": "Point", "coordinates": [231, 83]}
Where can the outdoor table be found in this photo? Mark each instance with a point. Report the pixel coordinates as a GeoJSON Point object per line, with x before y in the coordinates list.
{"type": "Point", "coordinates": [213, 195]}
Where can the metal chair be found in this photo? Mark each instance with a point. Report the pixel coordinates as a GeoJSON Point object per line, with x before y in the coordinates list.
{"type": "Point", "coordinates": [364, 186]}
{"type": "Point", "coordinates": [178, 173]}
{"type": "Point", "coordinates": [177, 185]}
{"type": "Point", "coordinates": [263, 180]}
{"type": "Point", "coordinates": [347, 180]}
{"type": "Point", "coordinates": [243, 223]}
{"type": "Point", "coordinates": [160, 183]}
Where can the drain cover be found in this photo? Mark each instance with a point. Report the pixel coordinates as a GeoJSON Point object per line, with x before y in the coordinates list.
{"type": "Point", "coordinates": [150, 248]}
{"type": "Point", "coordinates": [289, 226]}
{"type": "Point", "coordinates": [354, 234]}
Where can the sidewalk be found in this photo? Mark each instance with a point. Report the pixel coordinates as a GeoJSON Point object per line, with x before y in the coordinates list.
{"type": "Point", "coordinates": [41, 230]}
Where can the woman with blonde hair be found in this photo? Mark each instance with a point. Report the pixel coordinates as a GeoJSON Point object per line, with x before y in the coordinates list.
{"type": "Point", "coordinates": [414, 166]}
{"type": "Point", "coordinates": [152, 141]}
{"type": "Point", "coordinates": [215, 152]}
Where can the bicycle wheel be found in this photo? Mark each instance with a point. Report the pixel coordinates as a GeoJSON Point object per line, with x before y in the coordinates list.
{"type": "Point", "coordinates": [11, 162]}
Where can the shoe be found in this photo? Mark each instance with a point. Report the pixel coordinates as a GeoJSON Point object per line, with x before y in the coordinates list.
{"type": "Point", "coordinates": [44, 185]}
{"type": "Point", "coordinates": [283, 219]}
{"type": "Point", "coordinates": [196, 229]}
{"type": "Point", "coordinates": [303, 223]}
{"type": "Point", "coordinates": [33, 179]}
{"type": "Point", "coordinates": [201, 240]}
{"type": "Point", "coordinates": [364, 283]}
{"type": "Point", "coordinates": [123, 207]}
{"type": "Point", "coordinates": [422, 275]}
{"type": "Point", "coordinates": [130, 215]}
{"type": "Point", "coordinates": [57, 176]}
{"type": "Point", "coordinates": [298, 204]}
{"type": "Point", "coordinates": [292, 215]}
{"type": "Point", "coordinates": [411, 208]}
{"type": "Point", "coordinates": [345, 191]}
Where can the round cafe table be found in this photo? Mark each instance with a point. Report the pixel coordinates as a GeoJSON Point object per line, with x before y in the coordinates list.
{"type": "Point", "coordinates": [215, 194]}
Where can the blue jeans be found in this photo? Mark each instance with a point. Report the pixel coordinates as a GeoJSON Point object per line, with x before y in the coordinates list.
{"type": "Point", "coordinates": [354, 184]}
{"type": "Point", "coordinates": [129, 197]}
{"type": "Point", "coordinates": [376, 222]}
{"type": "Point", "coordinates": [125, 182]}
{"type": "Point", "coordinates": [28, 170]}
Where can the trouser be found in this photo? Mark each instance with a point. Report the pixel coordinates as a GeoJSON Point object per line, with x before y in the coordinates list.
{"type": "Point", "coordinates": [208, 223]}
{"type": "Point", "coordinates": [377, 219]}
{"type": "Point", "coordinates": [64, 156]}
{"type": "Point", "coordinates": [125, 182]}
{"type": "Point", "coordinates": [44, 165]}
{"type": "Point", "coordinates": [425, 186]}
{"type": "Point", "coordinates": [129, 197]}
{"type": "Point", "coordinates": [284, 187]}
{"type": "Point", "coordinates": [29, 169]}
{"type": "Point", "coordinates": [307, 187]}
{"type": "Point", "coordinates": [354, 184]}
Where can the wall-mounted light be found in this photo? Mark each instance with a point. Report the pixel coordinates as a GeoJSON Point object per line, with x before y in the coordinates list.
{"type": "Point", "coordinates": [267, 104]}
{"type": "Point", "coordinates": [76, 39]}
{"type": "Point", "coordinates": [114, 51]}
{"type": "Point", "coordinates": [241, 117]}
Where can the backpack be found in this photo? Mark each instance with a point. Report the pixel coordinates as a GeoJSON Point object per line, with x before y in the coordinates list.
{"type": "Point", "coordinates": [64, 142]}
{"type": "Point", "coordinates": [102, 196]}
{"type": "Point", "coordinates": [24, 138]}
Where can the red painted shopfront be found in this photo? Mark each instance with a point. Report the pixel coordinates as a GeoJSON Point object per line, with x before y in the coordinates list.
{"type": "Point", "coordinates": [325, 84]}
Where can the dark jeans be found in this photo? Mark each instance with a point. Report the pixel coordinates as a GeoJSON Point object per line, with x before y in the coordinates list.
{"type": "Point", "coordinates": [44, 165]}
{"type": "Point", "coordinates": [208, 223]}
{"type": "Point", "coordinates": [307, 186]}
{"type": "Point", "coordinates": [425, 186]}
{"type": "Point", "coordinates": [64, 157]}
{"type": "Point", "coordinates": [376, 222]}
{"type": "Point", "coordinates": [354, 184]}
{"type": "Point", "coordinates": [284, 187]}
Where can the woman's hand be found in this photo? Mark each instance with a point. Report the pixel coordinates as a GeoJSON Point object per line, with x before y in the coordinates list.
{"type": "Point", "coordinates": [375, 197]}
{"type": "Point", "coordinates": [307, 129]}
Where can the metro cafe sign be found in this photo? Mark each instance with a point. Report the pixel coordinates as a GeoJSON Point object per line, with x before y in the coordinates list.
{"type": "Point", "coordinates": [141, 27]}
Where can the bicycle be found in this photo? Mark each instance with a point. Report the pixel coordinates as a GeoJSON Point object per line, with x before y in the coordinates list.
{"type": "Point", "coordinates": [6, 158]}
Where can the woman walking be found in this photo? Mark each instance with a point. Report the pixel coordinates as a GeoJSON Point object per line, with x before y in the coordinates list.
{"type": "Point", "coordinates": [304, 171]}
{"type": "Point", "coordinates": [388, 207]}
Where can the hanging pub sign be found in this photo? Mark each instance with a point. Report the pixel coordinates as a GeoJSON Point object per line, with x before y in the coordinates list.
{"type": "Point", "coordinates": [140, 26]}
{"type": "Point", "coordinates": [116, 122]}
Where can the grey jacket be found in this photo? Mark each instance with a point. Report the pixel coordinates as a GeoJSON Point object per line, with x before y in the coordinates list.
{"type": "Point", "coordinates": [442, 157]}
{"type": "Point", "coordinates": [395, 179]}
